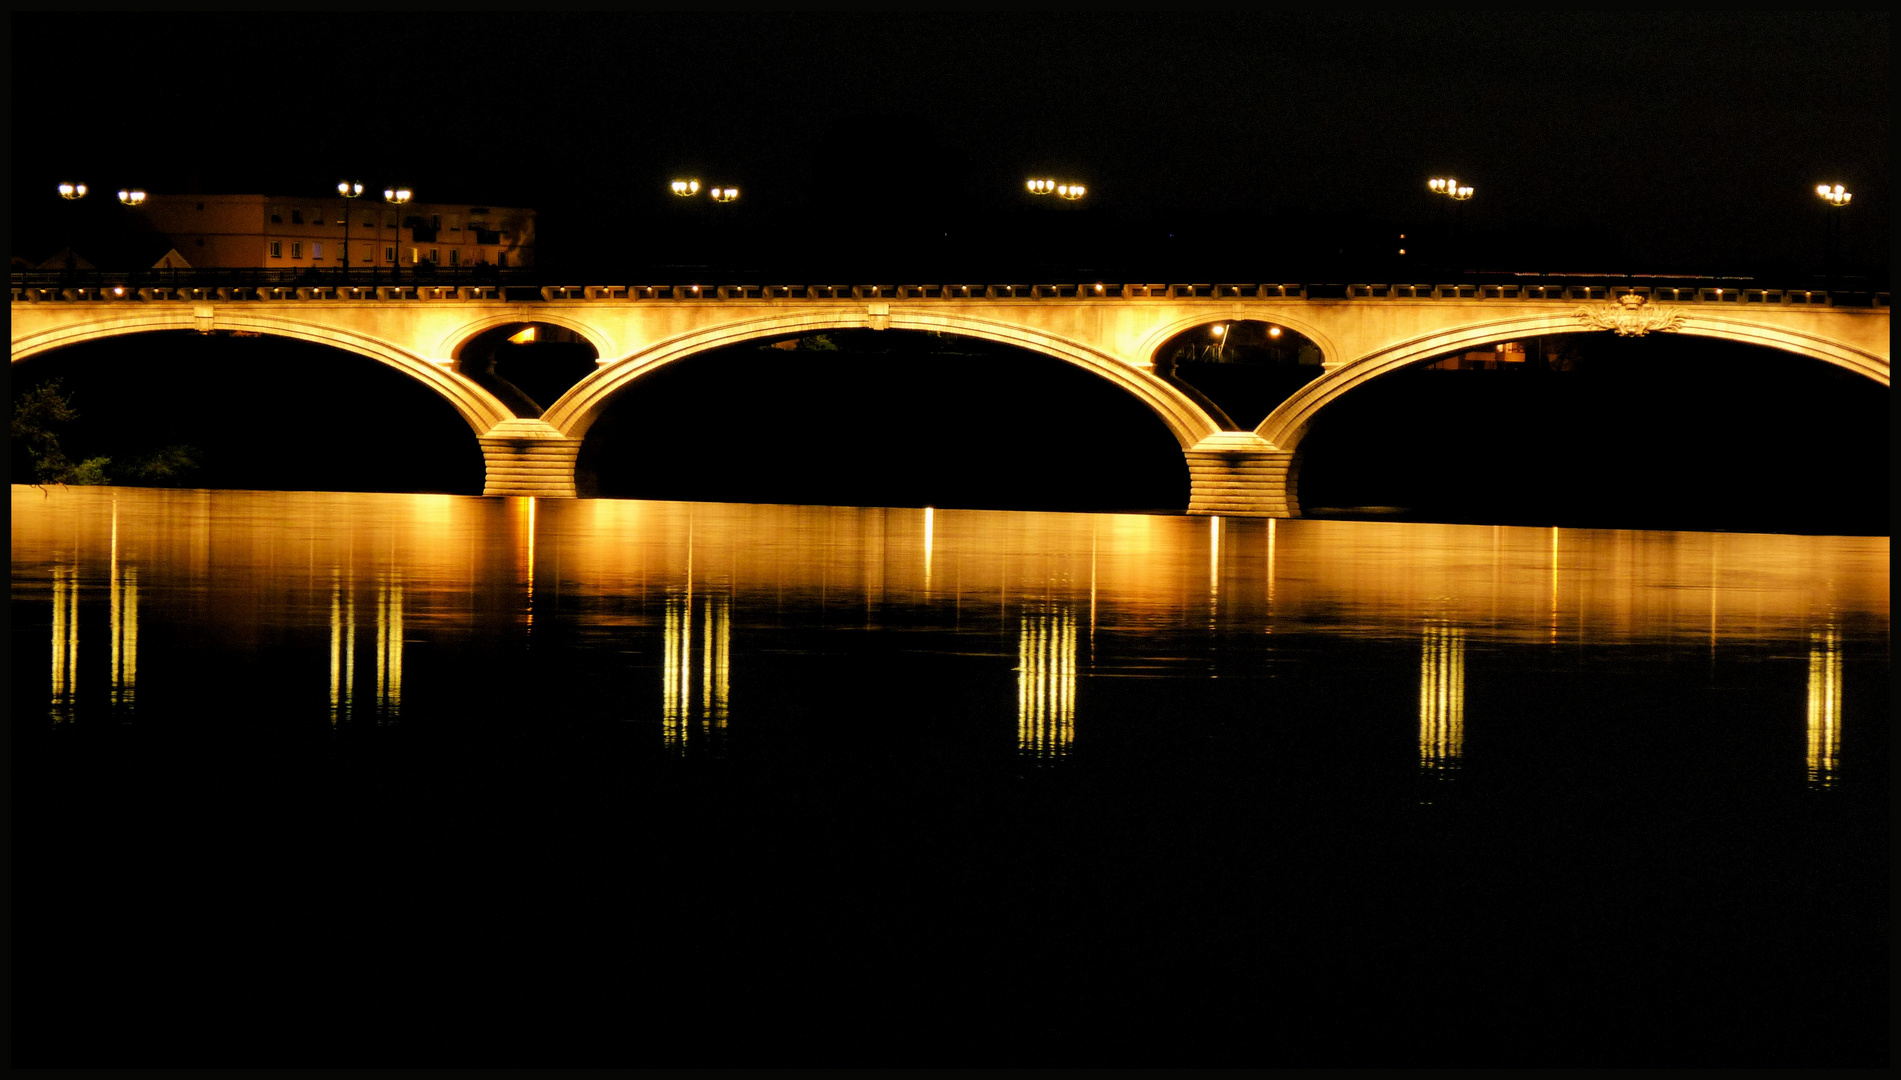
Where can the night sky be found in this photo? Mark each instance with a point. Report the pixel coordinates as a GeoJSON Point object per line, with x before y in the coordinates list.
{"type": "Point", "coordinates": [1679, 143]}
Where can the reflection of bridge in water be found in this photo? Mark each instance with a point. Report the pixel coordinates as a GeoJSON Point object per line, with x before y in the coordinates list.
{"type": "Point", "coordinates": [1112, 330]}
{"type": "Point", "coordinates": [1066, 597]}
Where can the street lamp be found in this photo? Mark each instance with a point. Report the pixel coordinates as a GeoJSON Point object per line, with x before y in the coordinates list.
{"type": "Point", "coordinates": [349, 189]}
{"type": "Point", "coordinates": [724, 194]}
{"type": "Point", "coordinates": [1072, 192]}
{"type": "Point", "coordinates": [1837, 197]}
{"type": "Point", "coordinates": [686, 188]}
{"type": "Point", "coordinates": [1042, 187]}
{"type": "Point", "coordinates": [395, 196]}
{"type": "Point", "coordinates": [72, 191]}
{"type": "Point", "coordinates": [131, 196]}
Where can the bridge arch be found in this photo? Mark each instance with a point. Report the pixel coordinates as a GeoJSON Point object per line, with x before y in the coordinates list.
{"type": "Point", "coordinates": [577, 410]}
{"type": "Point", "coordinates": [477, 407]}
{"type": "Point", "coordinates": [1289, 423]}
{"type": "Point", "coordinates": [458, 339]}
{"type": "Point", "coordinates": [1160, 336]}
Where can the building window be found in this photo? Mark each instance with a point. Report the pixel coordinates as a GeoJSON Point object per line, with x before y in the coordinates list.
{"type": "Point", "coordinates": [296, 217]}
{"type": "Point", "coordinates": [455, 224]}
{"type": "Point", "coordinates": [389, 255]}
{"type": "Point", "coordinates": [277, 215]}
{"type": "Point", "coordinates": [296, 250]}
{"type": "Point", "coordinates": [277, 249]}
{"type": "Point", "coordinates": [455, 257]}
{"type": "Point", "coordinates": [316, 215]}
{"type": "Point", "coordinates": [201, 206]}
{"type": "Point", "coordinates": [413, 260]}
{"type": "Point", "coordinates": [435, 221]}
{"type": "Point", "coordinates": [316, 250]}
{"type": "Point", "coordinates": [434, 257]}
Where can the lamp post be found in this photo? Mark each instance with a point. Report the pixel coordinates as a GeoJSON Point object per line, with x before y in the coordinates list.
{"type": "Point", "coordinates": [1453, 191]}
{"type": "Point", "coordinates": [349, 189]}
{"type": "Point", "coordinates": [1837, 198]}
{"type": "Point", "coordinates": [393, 196]}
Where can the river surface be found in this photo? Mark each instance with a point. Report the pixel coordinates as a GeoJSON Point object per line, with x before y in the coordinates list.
{"type": "Point", "coordinates": [307, 778]}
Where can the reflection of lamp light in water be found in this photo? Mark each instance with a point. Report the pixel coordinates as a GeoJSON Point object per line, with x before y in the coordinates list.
{"type": "Point", "coordinates": [928, 523]}
{"type": "Point", "coordinates": [1441, 698]}
{"type": "Point", "coordinates": [1825, 706]}
{"type": "Point", "coordinates": [1214, 555]}
{"type": "Point", "coordinates": [389, 647]}
{"type": "Point", "coordinates": [1046, 684]}
{"type": "Point", "coordinates": [1270, 566]}
{"type": "Point", "coordinates": [529, 571]}
{"type": "Point", "coordinates": [65, 639]}
{"type": "Point", "coordinates": [686, 716]}
{"type": "Point", "coordinates": [342, 646]}
{"type": "Point", "coordinates": [125, 623]}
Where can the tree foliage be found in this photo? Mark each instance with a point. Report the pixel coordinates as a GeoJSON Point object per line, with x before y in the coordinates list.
{"type": "Point", "coordinates": [39, 414]}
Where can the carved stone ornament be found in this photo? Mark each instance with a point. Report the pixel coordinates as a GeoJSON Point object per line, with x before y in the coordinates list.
{"type": "Point", "coordinates": [1629, 317]}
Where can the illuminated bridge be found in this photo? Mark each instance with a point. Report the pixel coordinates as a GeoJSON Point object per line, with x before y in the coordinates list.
{"type": "Point", "coordinates": [1115, 331]}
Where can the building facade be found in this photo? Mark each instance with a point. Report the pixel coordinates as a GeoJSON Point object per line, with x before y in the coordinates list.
{"type": "Point", "coordinates": [292, 232]}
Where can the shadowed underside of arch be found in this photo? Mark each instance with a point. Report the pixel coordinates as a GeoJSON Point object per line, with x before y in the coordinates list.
{"type": "Point", "coordinates": [458, 339]}
{"type": "Point", "coordinates": [1329, 349]}
{"type": "Point", "coordinates": [581, 405]}
{"type": "Point", "coordinates": [477, 407]}
{"type": "Point", "coordinates": [1289, 422]}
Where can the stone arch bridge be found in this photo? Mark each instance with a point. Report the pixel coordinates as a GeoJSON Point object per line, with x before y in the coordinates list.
{"type": "Point", "coordinates": [1110, 330]}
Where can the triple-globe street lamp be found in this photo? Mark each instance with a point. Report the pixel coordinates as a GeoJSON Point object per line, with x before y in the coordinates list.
{"type": "Point", "coordinates": [1837, 197]}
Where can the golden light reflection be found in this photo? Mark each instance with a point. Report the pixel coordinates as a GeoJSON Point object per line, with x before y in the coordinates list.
{"type": "Point", "coordinates": [125, 635]}
{"type": "Point", "coordinates": [696, 668]}
{"type": "Point", "coordinates": [1825, 706]}
{"type": "Point", "coordinates": [1270, 564]}
{"type": "Point", "coordinates": [387, 703]}
{"type": "Point", "coordinates": [124, 599]}
{"type": "Point", "coordinates": [389, 648]}
{"type": "Point", "coordinates": [1046, 684]}
{"type": "Point", "coordinates": [528, 557]}
{"type": "Point", "coordinates": [1554, 584]}
{"type": "Point", "coordinates": [65, 639]}
{"type": "Point", "coordinates": [1214, 556]}
{"type": "Point", "coordinates": [929, 529]}
{"type": "Point", "coordinates": [1441, 699]}
{"type": "Point", "coordinates": [339, 700]}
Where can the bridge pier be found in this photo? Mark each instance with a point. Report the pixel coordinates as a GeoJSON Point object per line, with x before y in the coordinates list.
{"type": "Point", "coordinates": [1240, 474]}
{"type": "Point", "coordinates": [529, 457]}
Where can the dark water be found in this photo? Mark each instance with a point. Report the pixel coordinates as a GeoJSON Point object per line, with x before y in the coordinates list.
{"type": "Point", "coordinates": [357, 779]}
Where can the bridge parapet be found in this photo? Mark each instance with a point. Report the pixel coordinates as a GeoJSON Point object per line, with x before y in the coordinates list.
{"type": "Point", "coordinates": [167, 286]}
